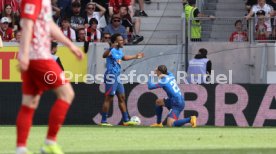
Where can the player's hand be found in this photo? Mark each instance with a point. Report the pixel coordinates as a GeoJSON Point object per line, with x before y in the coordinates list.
{"type": "Point", "coordinates": [24, 62]}
{"type": "Point", "coordinates": [77, 52]}
{"type": "Point", "coordinates": [140, 55]}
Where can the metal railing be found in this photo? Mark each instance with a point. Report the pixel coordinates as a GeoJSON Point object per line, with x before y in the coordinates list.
{"type": "Point", "coordinates": [220, 29]}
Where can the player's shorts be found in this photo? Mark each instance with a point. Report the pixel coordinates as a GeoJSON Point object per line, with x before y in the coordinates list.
{"type": "Point", "coordinates": [113, 85]}
{"type": "Point", "coordinates": [175, 106]}
{"type": "Point", "coordinates": [42, 75]}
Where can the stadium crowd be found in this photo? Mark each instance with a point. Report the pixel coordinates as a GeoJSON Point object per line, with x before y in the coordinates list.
{"type": "Point", "coordinates": [82, 20]}
{"type": "Point", "coordinates": [263, 13]}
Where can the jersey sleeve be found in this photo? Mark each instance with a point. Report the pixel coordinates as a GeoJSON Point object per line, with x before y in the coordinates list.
{"type": "Point", "coordinates": [112, 53]}
{"type": "Point", "coordinates": [152, 85]}
{"type": "Point", "coordinates": [170, 74]}
{"type": "Point", "coordinates": [30, 9]}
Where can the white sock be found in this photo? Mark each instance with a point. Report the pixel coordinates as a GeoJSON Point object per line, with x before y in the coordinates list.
{"type": "Point", "coordinates": [50, 142]}
{"type": "Point", "coordinates": [21, 150]}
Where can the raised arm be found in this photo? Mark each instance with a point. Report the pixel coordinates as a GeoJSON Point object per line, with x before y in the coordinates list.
{"type": "Point", "coordinates": [130, 57]}
{"type": "Point", "coordinates": [250, 14]}
{"type": "Point", "coordinates": [152, 85]}
{"type": "Point", "coordinates": [106, 53]}
{"type": "Point", "coordinates": [101, 8]}
{"type": "Point", "coordinates": [60, 37]}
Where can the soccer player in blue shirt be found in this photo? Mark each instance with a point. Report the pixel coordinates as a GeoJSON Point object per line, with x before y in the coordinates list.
{"type": "Point", "coordinates": [113, 86]}
{"type": "Point", "coordinates": [175, 101]}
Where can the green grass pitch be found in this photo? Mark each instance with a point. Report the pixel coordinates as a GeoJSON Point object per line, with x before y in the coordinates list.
{"type": "Point", "coordinates": [145, 140]}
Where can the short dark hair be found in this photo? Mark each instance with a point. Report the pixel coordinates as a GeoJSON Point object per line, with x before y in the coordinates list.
{"type": "Point", "coordinates": [203, 52]}
{"type": "Point", "coordinates": [65, 18]}
{"type": "Point", "coordinates": [192, 2]}
{"type": "Point", "coordinates": [163, 69]}
{"type": "Point", "coordinates": [260, 12]}
{"type": "Point", "coordinates": [114, 37]}
{"type": "Point", "coordinates": [237, 21]}
{"type": "Point", "coordinates": [93, 21]}
{"type": "Point", "coordinates": [76, 4]}
{"type": "Point", "coordinates": [53, 45]}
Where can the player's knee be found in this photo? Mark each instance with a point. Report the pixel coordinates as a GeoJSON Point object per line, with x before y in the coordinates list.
{"type": "Point", "coordinates": [70, 96]}
{"type": "Point", "coordinates": [67, 95]}
{"type": "Point", "coordinates": [31, 102]}
{"type": "Point", "coordinates": [170, 122]}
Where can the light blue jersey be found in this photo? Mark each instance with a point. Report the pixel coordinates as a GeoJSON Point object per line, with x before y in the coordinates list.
{"type": "Point", "coordinates": [168, 83]}
{"type": "Point", "coordinates": [175, 101]}
{"type": "Point", "coordinates": [113, 62]}
{"type": "Point", "coordinates": [113, 69]}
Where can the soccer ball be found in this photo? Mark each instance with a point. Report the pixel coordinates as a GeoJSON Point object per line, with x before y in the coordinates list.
{"type": "Point", "coordinates": [136, 119]}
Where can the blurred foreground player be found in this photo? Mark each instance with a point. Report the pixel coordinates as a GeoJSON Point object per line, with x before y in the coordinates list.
{"type": "Point", "coordinates": [1, 42]}
{"type": "Point", "coordinates": [113, 86]}
{"type": "Point", "coordinates": [175, 101]}
{"type": "Point", "coordinates": [35, 61]}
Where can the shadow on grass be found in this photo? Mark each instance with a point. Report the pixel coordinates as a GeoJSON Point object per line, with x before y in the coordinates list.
{"type": "Point", "coordinates": [207, 151]}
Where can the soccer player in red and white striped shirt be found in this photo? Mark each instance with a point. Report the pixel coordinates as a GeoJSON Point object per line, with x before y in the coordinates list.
{"type": "Point", "coordinates": [40, 72]}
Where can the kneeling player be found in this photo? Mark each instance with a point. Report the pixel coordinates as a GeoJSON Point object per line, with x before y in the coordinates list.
{"type": "Point", "coordinates": [175, 101]}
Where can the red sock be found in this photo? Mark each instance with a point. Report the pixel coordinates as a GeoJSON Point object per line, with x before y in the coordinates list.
{"type": "Point", "coordinates": [56, 118]}
{"type": "Point", "coordinates": [23, 124]}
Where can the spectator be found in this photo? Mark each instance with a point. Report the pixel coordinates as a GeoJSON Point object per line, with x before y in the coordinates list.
{"type": "Point", "coordinates": [17, 37]}
{"type": "Point", "coordinates": [141, 11]}
{"type": "Point", "coordinates": [91, 13]}
{"type": "Point", "coordinates": [103, 3]}
{"type": "Point", "coordinates": [199, 67]}
{"type": "Point", "coordinates": [76, 21]}
{"type": "Point", "coordinates": [261, 32]}
{"type": "Point", "coordinates": [67, 30]}
{"type": "Point", "coordinates": [114, 6]}
{"type": "Point", "coordinates": [116, 27]}
{"type": "Point", "coordinates": [131, 24]}
{"type": "Point", "coordinates": [192, 12]}
{"type": "Point", "coordinates": [106, 37]}
{"type": "Point", "coordinates": [93, 34]}
{"type": "Point", "coordinates": [13, 18]}
{"type": "Point", "coordinates": [239, 35]}
{"type": "Point", "coordinates": [55, 57]}
{"type": "Point", "coordinates": [268, 13]}
{"type": "Point", "coordinates": [56, 11]}
{"type": "Point", "coordinates": [273, 20]}
{"type": "Point", "coordinates": [13, 3]}
{"type": "Point", "coordinates": [65, 6]}
{"type": "Point", "coordinates": [5, 31]}
{"type": "Point", "coordinates": [249, 4]}
{"type": "Point", "coordinates": [81, 35]}
{"type": "Point", "coordinates": [272, 3]}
